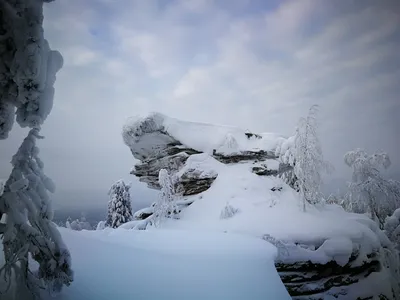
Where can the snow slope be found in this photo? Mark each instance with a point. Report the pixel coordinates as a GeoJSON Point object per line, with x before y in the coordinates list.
{"type": "Point", "coordinates": [170, 264]}
{"type": "Point", "coordinates": [277, 213]}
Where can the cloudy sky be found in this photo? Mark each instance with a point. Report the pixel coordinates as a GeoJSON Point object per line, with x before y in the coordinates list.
{"type": "Point", "coordinates": [255, 64]}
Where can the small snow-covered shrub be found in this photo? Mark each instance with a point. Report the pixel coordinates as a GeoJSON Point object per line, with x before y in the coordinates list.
{"type": "Point", "coordinates": [228, 211]}
{"type": "Point", "coordinates": [2, 184]}
{"type": "Point", "coordinates": [392, 228]}
{"type": "Point", "coordinates": [101, 225]}
{"type": "Point", "coordinates": [80, 225]}
{"type": "Point", "coordinates": [280, 245]}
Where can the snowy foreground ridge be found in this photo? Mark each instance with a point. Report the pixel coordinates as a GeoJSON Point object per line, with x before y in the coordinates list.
{"type": "Point", "coordinates": [230, 181]}
{"type": "Point", "coordinates": [170, 264]}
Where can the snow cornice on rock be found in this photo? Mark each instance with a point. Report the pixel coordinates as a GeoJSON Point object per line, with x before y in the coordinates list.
{"type": "Point", "coordinates": [151, 133]}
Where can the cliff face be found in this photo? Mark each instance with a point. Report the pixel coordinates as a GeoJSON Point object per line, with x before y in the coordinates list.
{"type": "Point", "coordinates": [235, 181]}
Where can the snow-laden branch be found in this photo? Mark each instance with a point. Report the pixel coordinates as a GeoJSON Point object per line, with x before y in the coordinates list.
{"type": "Point", "coordinates": [28, 66]}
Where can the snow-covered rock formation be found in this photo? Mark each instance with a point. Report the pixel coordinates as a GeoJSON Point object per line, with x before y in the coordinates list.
{"type": "Point", "coordinates": [235, 181]}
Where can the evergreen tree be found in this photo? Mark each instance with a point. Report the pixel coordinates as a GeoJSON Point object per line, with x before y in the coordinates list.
{"type": "Point", "coordinates": [28, 228]}
{"type": "Point", "coordinates": [119, 206]}
{"type": "Point", "coordinates": [28, 70]}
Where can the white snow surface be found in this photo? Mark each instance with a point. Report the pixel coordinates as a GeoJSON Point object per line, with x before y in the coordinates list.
{"type": "Point", "coordinates": [139, 132]}
{"type": "Point", "coordinates": [170, 264]}
{"type": "Point", "coordinates": [277, 213]}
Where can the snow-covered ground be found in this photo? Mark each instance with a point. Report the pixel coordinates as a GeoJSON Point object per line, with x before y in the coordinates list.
{"type": "Point", "coordinates": [170, 264]}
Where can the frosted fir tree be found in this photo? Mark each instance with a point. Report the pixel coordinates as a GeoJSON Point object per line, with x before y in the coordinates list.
{"type": "Point", "coordinates": [369, 192]}
{"type": "Point", "coordinates": [28, 228]}
{"type": "Point", "coordinates": [119, 206]}
{"type": "Point", "coordinates": [165, 207]}
{"type": "Point", "coordinates": [308, 159]}
{"type": "Point", "coordinates": [28, 71]}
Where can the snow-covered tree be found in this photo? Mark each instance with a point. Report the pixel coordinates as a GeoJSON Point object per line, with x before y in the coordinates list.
{"type": "Point", "coordinates": [308, 159]}
{"type": "Point", "coordinates": [165, 207]}
{"type": "Point", "coordinates": [78, 224]}
{"type": "Point", "coordinates": [119, 206]}
{"type": "Point", "coordinates": [369, 192]}
{"type": "Point", "coordinates": [28, 71]}
{"type": "Point", "coordinates": [68, 223]}
{"type": "Point", "coordinates": [228, 211]}
{"type": "Point", "coordinates": [28, 228]}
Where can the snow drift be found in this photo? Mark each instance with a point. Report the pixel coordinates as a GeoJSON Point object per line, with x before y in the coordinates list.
{"type": "Point", "coordinates": [170, 264]}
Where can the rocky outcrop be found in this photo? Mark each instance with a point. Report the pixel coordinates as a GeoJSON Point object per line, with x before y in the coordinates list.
{"type": "Point", "coordinates": [159, 144]}
{"type": "Point", "coordinates": [314, 281]}
{"type": "Point", "coordinates": [173, 155]}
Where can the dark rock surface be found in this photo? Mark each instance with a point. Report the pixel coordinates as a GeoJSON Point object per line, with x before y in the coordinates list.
{"type": "Point", "coordinates": [194, 182]}
{"type": "Point", "coordinates": [244, 156]}
{"type": "Point", "coordinates": [312, 281]}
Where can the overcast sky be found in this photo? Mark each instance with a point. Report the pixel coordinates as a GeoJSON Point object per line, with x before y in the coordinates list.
{"type": "Point", "coordinates": [255, 64]}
